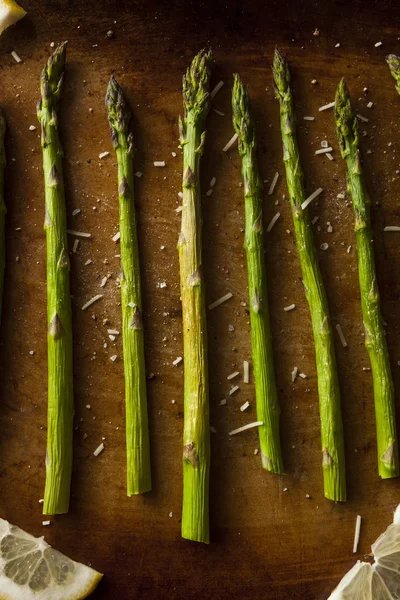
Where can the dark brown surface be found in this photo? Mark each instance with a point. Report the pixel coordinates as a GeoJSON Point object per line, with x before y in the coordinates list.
{"type": "Point", "coordinates": [266, 543]}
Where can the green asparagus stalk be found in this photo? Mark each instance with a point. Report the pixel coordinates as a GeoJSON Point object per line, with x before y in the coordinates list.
{"type": "Point", "coordinates": [375, 340]}
{"type": "Point", "coordinates": [393, 62]}
{"type": "Point", "coordinates": [60, 382]}
{"type": "Point", "coordinates": [137, 430]}
{"type": "Point", "coordinates": [332, 442]}
{"type": "Point", "coordinates": [196, 433]}
{"type": "Point", "coordinates": [261, 341]}
{"type": "Point", "coordinates": [3, 209]}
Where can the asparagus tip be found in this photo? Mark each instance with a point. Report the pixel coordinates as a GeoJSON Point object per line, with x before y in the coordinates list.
{"type": "Point", "coordinates": [393, 62]}
{"type": "Point", "coordinates": [281, 74]}
{"type": "Point", "coordinates": [118, 111]}
{"type": "Point", "coordinates": [242, 121]}
{"type": "Point", "coordinates": [53, 75]}
{"type": "Point", "coordinates": [196, 82]}
{"type": "Point", "coordinates": [346, 123]}
{"type": "Point", "coordinates": [113, 94]}
{"type": "Point", "coordinates": [56, 61]}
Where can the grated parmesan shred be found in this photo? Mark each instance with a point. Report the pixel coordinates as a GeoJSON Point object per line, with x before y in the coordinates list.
{"type": "Point", "coordinates": [290, 307]}
{"type": "Point", "coordinates": [324, 150]}
{"type": "Point", "coordinates": [294, 374]}
{"type": "Point", "coordinates": [245, 406]}
{"type": "Point", "coordinates": [246, 371]}
{"type": "Point", "coordinates": [245, 427]}
{"type": "Point", "coordinates": [16, 57]}
{"type": "Point", "coordinates": [311, 198]}
{"type": "Point", "coordinates": [233, 390]}
{"type": "Point", "coordinates": [273, 184]}
{"type": "Point", "coordinates": [99, 449]}
{"type": "Point", "coordinates": [341, 335]}
{"type": "Point", "coordinates": [215, 91]}
{"type": "Point", "coordinates": [273, 221]}
{"type": "Point", "coordinates": [230, 143]}
{"type": "Point", "coordinates": [116, 237]}
{"type": "Point", "coordinates": [357, 534]}
{"type": "Point", "coordinates": [177, 361]}
{"type": "Point", "coordinates": [326, 106]}
{"type": "Point", "coordinates": [81, 234]}
{"type": "Point", "coordinates": [233, 375]}
{"type": "Point", "coordinates": [220, 301]}
{"type": "Point", "coordinates": [159, 163]}
{"type": "Point", "coordinates": [92, 301]}
{"type": "Point", "coordinates": [392, 228]}
{"type": "Point", "coordinates": [309, 118]}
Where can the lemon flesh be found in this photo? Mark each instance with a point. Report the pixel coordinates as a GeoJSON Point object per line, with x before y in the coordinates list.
{"type": "Point", "coordinates": [33, 570]}
{"type": "Point", "coordinates": [10, 13]}
{"type": "Point", "coordinates": [380, 580]}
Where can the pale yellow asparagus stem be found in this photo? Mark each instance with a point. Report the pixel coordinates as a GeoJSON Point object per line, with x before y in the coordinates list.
{"type": "Point", "coordinates": [196, 434]}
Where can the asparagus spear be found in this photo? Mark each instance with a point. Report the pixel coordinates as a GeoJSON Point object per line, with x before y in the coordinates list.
{"type": "Point", "coordinates": [328, 386]}
{"type": "Point", "coordinates": [264, 377]}
{"type": "Point", "coordinates": [196, 434]}
{"type": "Point", "coordinates": [60, 383]}
{"type": "Point", "coordinates": [375, 340]}
{"type": "Point", "coordinates": [393, 62]}
{"type": "Point", "coordinates": [3, 209]}
{"type": "Point", "coordinates": [137, 431]}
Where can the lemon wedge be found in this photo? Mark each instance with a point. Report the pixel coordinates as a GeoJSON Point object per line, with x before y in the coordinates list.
{"type": "Point", "coordinates": [33, 570]}
{"type": "Point", "coordinates": [10, 13]}
{"type": "Point", "coordinates": [380, 580]}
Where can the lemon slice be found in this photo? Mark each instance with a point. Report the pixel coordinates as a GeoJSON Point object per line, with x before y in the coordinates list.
{"type": "Point", "coordinates": [33, 570]}
{"type": "Point", "coordinates": [380, 580]}
{"type": "Point", "coordinates": [10, 13]}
